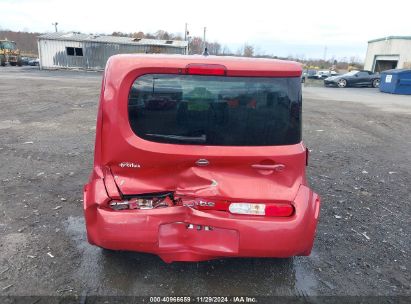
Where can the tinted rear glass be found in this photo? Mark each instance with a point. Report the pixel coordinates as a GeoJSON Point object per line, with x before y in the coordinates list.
{"type": "Point", "coordinates": [216, 110]}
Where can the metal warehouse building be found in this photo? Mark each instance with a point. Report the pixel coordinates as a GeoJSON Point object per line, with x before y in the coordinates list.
{"type": "Point", "coordinates": [82, 51]}
{"type": "Point", "coordinates": [393, 52]}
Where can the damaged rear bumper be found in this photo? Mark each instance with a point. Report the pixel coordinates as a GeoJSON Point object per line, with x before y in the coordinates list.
{"type": "Point", "coordinates": [185, 234]}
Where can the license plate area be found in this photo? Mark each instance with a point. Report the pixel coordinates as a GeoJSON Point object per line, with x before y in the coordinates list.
{"type": "Point", "coordinates": [186, 236]}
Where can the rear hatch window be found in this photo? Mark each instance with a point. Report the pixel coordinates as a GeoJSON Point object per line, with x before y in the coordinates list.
{"type": "Point", "coordinates": [216, 110]}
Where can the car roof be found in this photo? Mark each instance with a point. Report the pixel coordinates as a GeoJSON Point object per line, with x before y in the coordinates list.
{"type": "Point", "coordinates": [243, 65]}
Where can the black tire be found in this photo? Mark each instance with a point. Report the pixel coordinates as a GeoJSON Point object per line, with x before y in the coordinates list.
{"type": "Point", "coordinates": [106, 251]}
{"type": "Point", "coordinates": [342, 83]}
{"type": "Point", "coordinates": [13, 63]}
{"type": "Point", "coordinates": [376, 83]}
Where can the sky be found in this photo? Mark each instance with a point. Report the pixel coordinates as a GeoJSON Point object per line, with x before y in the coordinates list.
{"type": "Point", "coordinates": [305, 29]}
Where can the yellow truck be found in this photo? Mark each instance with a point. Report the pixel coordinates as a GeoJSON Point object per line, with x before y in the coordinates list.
{"type": "Point", "coordinates": [9, 53]}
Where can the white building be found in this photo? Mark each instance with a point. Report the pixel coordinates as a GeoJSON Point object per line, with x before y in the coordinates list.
{"type": "Point", "coordinates": [393, 52]}
{"type": "Point", "coordinates": [90, 52]}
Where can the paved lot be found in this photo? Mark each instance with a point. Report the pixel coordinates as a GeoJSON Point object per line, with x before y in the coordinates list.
{"type": "Point", "coordinates": [360, 164]}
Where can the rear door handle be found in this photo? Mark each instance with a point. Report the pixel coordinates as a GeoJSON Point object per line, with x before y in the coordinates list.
{"type": "Point", "coordinates": [276, 167]}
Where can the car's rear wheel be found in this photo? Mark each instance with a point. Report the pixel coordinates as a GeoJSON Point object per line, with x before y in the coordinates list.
{"type": "Point", "coordinates": [376, 83]}
{"type": "Point", "coordinates": [342, 83]}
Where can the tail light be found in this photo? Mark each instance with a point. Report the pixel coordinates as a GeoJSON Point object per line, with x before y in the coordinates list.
{"type": "Point", "coordinates": [206, 69]}
{"type": "Point", "coordinates": [246, 208]}
{"type": "Point", "coordinates": [262, 209]}
{"type": "Point", "coordinates": [279, 210]}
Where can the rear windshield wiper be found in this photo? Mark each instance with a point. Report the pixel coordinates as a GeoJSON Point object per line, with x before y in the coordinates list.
{"type": "Point", "coordinates": [200, 139]}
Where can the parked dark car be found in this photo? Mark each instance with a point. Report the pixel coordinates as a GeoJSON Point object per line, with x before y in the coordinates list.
{"type": "Point", "coordinates": [34, 62]}
{"type": "Point", "coordinates": [354, 79]}
{"type": "Point", "coordinates": [310, 74]}
{"type": "Point", "coordinates": [25, 60]}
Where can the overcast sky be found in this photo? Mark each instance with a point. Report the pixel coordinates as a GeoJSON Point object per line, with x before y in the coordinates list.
{"type": "Point", "coordinates": [282, 28]}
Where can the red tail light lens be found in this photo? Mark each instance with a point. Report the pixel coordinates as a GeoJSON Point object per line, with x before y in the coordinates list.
{"type": "Point", "coordinates": [279, 210]}
{"type": "Point", "coordinates": [206, 69]}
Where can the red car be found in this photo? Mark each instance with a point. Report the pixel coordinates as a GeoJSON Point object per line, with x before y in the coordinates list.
{"type": "Point", "coordinates": [203, 179]}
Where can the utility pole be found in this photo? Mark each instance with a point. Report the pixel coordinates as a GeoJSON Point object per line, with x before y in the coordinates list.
{"type": "Point", "coordinates": [55, 25]}
{"type": "Point", "coordinates": [186, 33]}
{"type": "Point", "coordinates": [204, 38]}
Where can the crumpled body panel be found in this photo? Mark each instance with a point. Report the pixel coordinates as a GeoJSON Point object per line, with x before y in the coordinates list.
{"type": "Point", "coordinates": [225, 177]}
{"type": "Point", "coordinates": [180, 233]}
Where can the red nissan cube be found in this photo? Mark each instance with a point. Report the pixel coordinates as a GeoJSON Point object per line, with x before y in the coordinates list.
{"type": "Point", "coordinates": [200, 157]}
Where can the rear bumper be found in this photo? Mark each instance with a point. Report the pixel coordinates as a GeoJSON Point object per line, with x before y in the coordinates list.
{"type": "Point", "coordinates": [167, 232]}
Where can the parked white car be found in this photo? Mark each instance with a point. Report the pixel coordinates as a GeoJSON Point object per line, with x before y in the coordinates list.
{"type": "Point", "coordinates": [325, 73]}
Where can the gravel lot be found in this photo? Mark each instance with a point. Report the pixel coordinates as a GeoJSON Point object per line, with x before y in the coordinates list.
{"type": "Point", "coordinates": [360, 165]}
